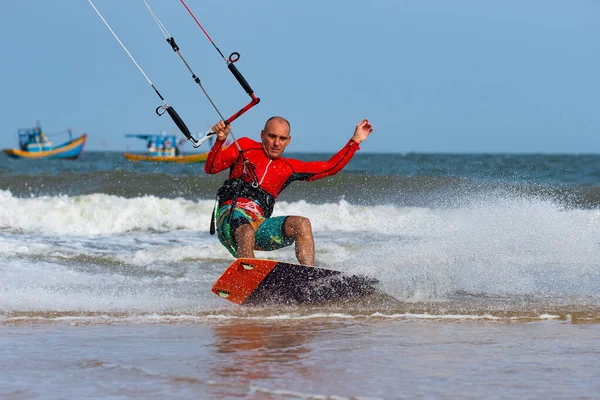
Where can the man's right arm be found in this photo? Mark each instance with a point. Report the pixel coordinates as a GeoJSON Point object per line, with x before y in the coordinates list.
{"type": "Point", "coordinates": [219, 159]}
{"type": "Point", "coordinates": [215, 162]}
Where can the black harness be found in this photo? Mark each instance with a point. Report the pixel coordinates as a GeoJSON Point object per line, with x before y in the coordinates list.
{"type": "Point", "coordinates": [234, 188]}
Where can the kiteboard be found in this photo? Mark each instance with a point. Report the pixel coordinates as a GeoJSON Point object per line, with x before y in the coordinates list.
{"type": "Point", "coordinates": [252, 281]}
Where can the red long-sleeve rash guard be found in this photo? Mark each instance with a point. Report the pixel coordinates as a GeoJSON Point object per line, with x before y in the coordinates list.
{"type": "Point", "coordinates": [274, 174]}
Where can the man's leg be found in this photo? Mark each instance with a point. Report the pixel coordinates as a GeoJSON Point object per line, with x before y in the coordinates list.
{"type": "Point", "coordinates": [300, 229]}
{"type": "Point", "coordinates": [244, 237]}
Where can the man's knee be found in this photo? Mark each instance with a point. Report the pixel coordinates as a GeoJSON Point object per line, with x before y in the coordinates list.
{"type": "Point", "coordinates": [245, 240]}
{"type": "Point", "coordinates": [295, 225]}
{"type": "Point", "coordinates": [244, 232]}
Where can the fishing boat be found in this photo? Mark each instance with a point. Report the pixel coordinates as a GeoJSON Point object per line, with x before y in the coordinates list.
{"type": "Point", "coordinates": [163, 148]}
{"type": "Point", "coordinates": [34, 143]}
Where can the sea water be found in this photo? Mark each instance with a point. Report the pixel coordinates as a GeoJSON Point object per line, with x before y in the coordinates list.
{"type": "Point", "coordinates": [488, 266]}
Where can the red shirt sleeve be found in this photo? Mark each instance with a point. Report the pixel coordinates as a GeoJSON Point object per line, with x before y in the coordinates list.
{"type": "Point", "coordinates": [220, 159]}
{"type": "Point", "coordinates": [313, 170]}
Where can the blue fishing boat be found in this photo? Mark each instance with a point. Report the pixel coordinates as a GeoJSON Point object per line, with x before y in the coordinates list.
{"type": "Point", "coordinates": [34, 143]}
{"type": "Point", "coordinates": [163, 148]}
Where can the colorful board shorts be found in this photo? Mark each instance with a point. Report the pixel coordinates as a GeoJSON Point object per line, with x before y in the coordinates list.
{"type": "Point", "coordinates": [269, 232]}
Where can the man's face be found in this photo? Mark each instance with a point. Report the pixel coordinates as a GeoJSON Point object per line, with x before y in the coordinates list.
{"type": "Point", "coordinates": [275, 138]}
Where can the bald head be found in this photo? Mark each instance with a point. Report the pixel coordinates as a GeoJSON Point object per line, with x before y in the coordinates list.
{"type": "Point", "coordinates": [277, 121]}
{"type": "Point", "coordinates": [275, 136]}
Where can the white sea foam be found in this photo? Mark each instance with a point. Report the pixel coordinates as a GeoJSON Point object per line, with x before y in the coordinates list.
{"type": "Point", "coordinates": [40, 285]}
{"type": "Point", "coordinates": [101, 214]}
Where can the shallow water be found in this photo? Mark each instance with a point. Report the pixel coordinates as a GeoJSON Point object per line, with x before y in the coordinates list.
{"type": "Point", "coordinates": [286, 358]}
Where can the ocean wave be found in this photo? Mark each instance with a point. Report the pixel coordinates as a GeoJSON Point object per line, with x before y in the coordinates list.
{"type": "Point", "coordinates": [102, 214]}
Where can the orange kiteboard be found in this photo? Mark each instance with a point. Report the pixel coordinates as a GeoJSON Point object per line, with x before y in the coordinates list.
{"type": "Point", "coordinates": [252, 281]}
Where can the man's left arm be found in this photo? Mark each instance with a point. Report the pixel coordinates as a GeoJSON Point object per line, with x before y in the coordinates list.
{"type": "Point", "coordinates": [313, 170]}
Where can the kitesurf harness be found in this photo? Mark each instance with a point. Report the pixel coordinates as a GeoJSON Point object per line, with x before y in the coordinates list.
{"type": "Point", "coordinates": [234, 188]}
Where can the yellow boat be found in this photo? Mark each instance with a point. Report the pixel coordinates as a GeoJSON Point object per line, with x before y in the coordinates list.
{"type": "Point", "coordinates": [163, 148]}
{"type": "Point", "coordinates": [33, 143]}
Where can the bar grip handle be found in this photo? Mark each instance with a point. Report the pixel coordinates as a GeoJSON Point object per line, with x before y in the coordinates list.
{"type": "Point", "coordinates": [179, 122]}
{"type": "Point", "coordinates": [240, 78]}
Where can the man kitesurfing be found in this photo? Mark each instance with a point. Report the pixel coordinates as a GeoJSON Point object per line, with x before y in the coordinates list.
{"type": "Point", "coordinates": [258, 173]}
{"type": "Point", "coordinates": [245, 201]}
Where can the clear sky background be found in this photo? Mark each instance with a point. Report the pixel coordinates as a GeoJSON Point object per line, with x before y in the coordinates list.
{"type": "Point", "coordinates": [466, 76]}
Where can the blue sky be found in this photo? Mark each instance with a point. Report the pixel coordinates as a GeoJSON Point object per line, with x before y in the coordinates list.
{"type": "Point", "coordinates": [465, 76]}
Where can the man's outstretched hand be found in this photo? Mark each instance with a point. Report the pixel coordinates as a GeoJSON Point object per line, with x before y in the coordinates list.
{"type": "Point", "coordinates": [362, 131]}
